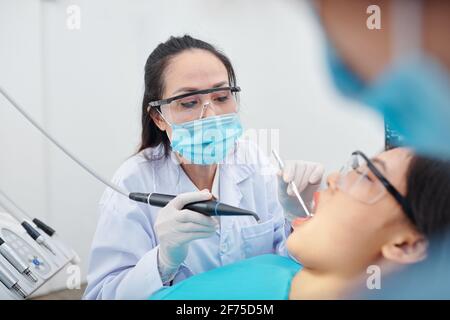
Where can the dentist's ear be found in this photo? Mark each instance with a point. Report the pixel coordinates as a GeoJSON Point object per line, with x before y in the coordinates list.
{"type": "Point", "coordinates": [406, 249]}
{"type": "Point", "coordinates": [157, 119]}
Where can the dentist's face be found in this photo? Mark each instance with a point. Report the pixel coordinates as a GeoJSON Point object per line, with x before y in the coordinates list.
{"type": "Point", "coordinates": [188, 71]}
{"type": "Point", "coordinates": [346, 235]}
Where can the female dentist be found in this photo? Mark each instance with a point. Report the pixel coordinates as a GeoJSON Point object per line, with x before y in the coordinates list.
{"type": "Point", "coordinates": [190, 131]}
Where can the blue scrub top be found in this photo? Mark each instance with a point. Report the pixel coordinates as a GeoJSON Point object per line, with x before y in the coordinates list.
{"type": "Point", "coordinates": [265, 277]}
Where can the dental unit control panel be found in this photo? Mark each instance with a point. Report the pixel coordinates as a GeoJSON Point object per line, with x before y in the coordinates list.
{"type": "Point", "coordinates": [27, 261]}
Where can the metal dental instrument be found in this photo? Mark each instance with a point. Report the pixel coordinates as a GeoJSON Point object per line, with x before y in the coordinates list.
{"type": "Point", "coordinates": [17, 262]}
{"type": "Point", "coordinates": [209, 208]}
{"type": "Point", "coordinates": [11, 282]}
{"type": "Point", "coordinates": [32, 232]}
{"type": "Point", "coordinates": [41, 225]}
{"type": "Point", "coordinates": [292, 184]}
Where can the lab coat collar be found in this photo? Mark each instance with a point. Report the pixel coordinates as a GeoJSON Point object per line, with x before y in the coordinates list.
{"type": "Point", "coordinates": [240, 162]}
{"type": "Point", "coordinates": [229, 178]}
{"type": "Point", "coordinates": [232, 172]}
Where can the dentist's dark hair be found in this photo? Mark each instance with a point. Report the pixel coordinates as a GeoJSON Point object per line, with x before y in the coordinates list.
{"type": "Point", "coordinates": [155, 67]}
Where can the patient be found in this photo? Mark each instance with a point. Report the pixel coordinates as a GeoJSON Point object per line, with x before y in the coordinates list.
{"type": "Point", "coordinates": [374, 212]}
{"type": "Point", "coordinates": [380, 212]}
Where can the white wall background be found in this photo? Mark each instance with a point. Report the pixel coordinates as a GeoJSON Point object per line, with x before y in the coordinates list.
{"type": "Point", "coordinates": [85, 86]}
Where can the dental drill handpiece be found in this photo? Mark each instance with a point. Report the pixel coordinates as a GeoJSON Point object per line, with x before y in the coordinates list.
{"type": "Point", "coordinates": [16, 261]}
{"type": "Point", "coordinates": [31, 231]}
{"type": "Point", "coordinates": [11, 282]}
{"type": "Point", "coordinates": [38, 223]}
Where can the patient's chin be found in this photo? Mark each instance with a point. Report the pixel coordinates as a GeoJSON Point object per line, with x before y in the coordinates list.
{"type": "Point", "coordinates": [293, 247]}
{"type": "Point", "coordinates": [295, 257]}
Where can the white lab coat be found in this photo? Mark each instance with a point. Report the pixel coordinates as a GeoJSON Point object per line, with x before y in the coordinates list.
{"type": "Point", "coordinates": [123, 259]}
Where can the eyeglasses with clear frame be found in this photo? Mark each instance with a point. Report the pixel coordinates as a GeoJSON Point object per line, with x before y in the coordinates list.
{"type": "Point", "coordinates": [361, 178]}
{"type": "Point", "coordinates": [192, 105]}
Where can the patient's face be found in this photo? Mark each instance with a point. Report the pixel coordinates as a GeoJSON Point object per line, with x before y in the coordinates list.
{"type": "Point", "coordinates": [346, 235]}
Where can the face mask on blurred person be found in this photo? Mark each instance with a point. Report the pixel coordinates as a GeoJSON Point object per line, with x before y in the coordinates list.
{"type": "Point", "coordinates": [413, 92]}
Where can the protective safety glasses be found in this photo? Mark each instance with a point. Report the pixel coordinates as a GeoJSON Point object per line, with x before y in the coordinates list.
{"type": "Point", "coordinates": [362, 179]}
{"type": "Point", "coordinates": [192, 105]}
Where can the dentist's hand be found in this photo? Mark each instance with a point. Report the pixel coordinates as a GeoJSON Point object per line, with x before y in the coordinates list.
{"type": "Point", "coordinates": [307, 176]}
{"type": "Point", "coordinates": [176, 228]}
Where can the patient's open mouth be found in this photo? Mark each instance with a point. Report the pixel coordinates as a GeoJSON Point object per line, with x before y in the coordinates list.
{"type": "Point", "coordinates": [298, 221]}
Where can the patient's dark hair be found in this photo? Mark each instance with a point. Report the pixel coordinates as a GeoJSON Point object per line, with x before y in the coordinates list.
{"type": "Point", "coordinates": [428, 193]}
{"type": "Point", "coordinates": [155, 66]}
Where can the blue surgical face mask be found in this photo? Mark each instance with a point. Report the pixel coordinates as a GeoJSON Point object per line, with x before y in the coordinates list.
{"type": "Point", "coordinates": [413, 94]}
{"type": "Point", "coordinates": [208, 140]}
